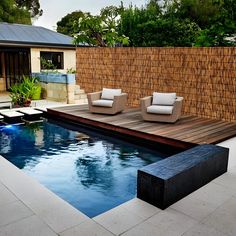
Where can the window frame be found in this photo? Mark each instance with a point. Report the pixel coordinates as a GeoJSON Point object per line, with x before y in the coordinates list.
{"type": "Point", "coordinates": [49, 56]}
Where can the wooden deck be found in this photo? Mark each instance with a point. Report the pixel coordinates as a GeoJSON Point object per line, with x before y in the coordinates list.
{"type": "Point", "coordinates": [187, 132]}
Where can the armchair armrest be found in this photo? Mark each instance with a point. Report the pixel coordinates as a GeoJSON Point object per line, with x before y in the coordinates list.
{"type": "Point", "coordinates": [178, 106]}
{"type": "Point", "coordinates": [145, 102]}
{"type": "Point", "coordinates": [120, 100]}
{"type": "Point", "coordinates": [121, 96]}
{"type": "Point", "coordinates": [178, 102]}
{"type": "Point", "coordinates": [94, 96]}
{"type": "Point", "coordinates": [179, 99]}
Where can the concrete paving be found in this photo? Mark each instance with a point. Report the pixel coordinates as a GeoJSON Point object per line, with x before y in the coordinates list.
{"type": "Point", "coordinates": [28, 208]}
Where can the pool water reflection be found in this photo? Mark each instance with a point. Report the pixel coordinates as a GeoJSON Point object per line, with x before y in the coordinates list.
{"type": "Point", "coordinates": [92, 172]}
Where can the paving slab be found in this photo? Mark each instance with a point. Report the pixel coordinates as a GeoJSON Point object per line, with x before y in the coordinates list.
{"type": "Point", "coordinates": [54, 211]}
{"type": "Point", "coordinates": [13, 212]}
{"type": "Point", "coordinates": [223, 219]}
{"type": "Point", "coordinates": [118, 220]}
{"type": "Point", "coordinates": [6, 196]}
{"type": "Point", "coordinates": [31, 226]}
{"type": "Point", "coordinates": [88, 228]}
{"type": "Point", "coordinates": [11, 114]}
{"type": "Point", "coordinates": [201, 229]}
{"type": "Point", "coordinates": [30, 111]}
{"type": "Point", "coordinates": [140, 208]}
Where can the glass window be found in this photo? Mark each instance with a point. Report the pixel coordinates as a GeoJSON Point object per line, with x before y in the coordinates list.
{"type": "Point", "coordinates": [51, 60]}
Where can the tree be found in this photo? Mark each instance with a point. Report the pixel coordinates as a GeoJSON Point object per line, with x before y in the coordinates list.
{"type": "Point", "coordinates": [216, 19]}
{"type": "Point", "coordinates": [222, 31]}
{"type": "Point", "coordinates": [19, 11]}
{"type": "Point", "coordinates": [151, 26]}
{"type": "Point", "coordinates": [67, 24]}
{"type": "Point", "coordinates": [33, 6]}
{"type": "Point", "coordinates": [181, 23]}
{"type": "Point", "coordinates": [100, 30]}
{"type": "Point", "coordinates": [9, 12]}
{"type": "Point", "coordinates": [168, 32]}
{"type": "Point", "coordinates": [202, 12]}
{"type": "Point", "coordinates": [132, 17]}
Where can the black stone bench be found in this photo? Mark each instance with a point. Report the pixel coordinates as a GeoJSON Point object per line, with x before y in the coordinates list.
{"type": "Point", "coordinates": [165, 182]}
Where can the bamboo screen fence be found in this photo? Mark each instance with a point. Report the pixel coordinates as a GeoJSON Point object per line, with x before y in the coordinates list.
{"type": "Point", "coordinates": [205, 77]}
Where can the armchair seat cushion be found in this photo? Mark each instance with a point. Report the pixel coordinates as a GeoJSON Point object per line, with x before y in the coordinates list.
{"type": "Point", "coordinates": [157, 109]}
{"type": "Point", "coordinates": [110, 93]}
{"type": "Point", "coordinates": [167, 99]}
{"type": "Point", "coordinates": [103, 103]}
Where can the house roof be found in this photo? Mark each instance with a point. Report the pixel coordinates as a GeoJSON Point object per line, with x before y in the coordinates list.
{"type": "Point", "coordinates": [32, 36]}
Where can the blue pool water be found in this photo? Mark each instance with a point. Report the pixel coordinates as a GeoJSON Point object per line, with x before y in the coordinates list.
{"type": "Point", "coordinates": [92, 172]}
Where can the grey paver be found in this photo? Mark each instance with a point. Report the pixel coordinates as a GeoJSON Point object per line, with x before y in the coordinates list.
{"type": "Point", "coordinates": [118, 220]}
{"type": "Point", "coordinates": [6, 196]}
{"type": "Point", "coordinates": [204, 230]}
{"type": "Point", "coordinates": [223, 219]}
{"type": "Point", "coordinates": [172, 222]}
{"type": "Point", "coordinates": [54, 211]}
{"type": "Point", "coordinates": [140, 208]}
{"type": "Point", "coordinates": [13, 212]}
{"type": "Point", "coordinates": [88, 228]}
{"type": "Point", "coordinates": [31, 226]}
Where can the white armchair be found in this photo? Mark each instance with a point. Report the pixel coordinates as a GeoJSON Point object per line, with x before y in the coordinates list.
{"type": "Point", "coordinates": [161, 107]}
{"type": "Point", "coordinates": [107, 101]}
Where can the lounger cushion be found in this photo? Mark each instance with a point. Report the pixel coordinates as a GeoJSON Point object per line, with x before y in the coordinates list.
{"type": "Point", "coordinates": [166, 99]}
{"type": "Point", "coordinates": [110, 93]}
{"type": "Point", "coordinates": [102, 103]}
{"type": "Point", "coordinates": [157, 109]}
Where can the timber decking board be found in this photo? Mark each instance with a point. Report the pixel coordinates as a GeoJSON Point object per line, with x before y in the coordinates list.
{"type": "Point", "coordinates": [187, 132]}
{"type": "Point", "coordinates": [195, 129]}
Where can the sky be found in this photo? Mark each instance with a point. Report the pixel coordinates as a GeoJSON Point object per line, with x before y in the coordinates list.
{"type": "Point", "coordinates": [54, 10]}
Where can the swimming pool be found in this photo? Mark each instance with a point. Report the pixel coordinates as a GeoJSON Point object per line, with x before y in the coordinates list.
{"type": "Point", "coordinates": [92, 172]}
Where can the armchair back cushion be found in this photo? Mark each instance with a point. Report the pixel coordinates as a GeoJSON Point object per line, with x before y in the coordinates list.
{"type": "Point", "coordinates": [110, 93]}
{"type": "Point", "coordinates": [165, 99]}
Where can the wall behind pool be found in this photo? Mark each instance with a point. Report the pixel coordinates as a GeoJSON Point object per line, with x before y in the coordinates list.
{"type": "Point", "coordinates": [205, 77]}
{"type": "Point", "coordinates": [69, 57]}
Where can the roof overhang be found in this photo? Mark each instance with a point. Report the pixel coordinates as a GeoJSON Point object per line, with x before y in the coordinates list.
{"type": "Point", "coordinates": [35, 45]}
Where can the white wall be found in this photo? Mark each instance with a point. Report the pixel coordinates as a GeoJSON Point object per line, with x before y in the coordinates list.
{"type": "Point", "coordinates": [69, 58]}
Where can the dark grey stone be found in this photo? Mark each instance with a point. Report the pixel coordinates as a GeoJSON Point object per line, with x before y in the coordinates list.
{"type": "Point", "coordinates": [167, 181]}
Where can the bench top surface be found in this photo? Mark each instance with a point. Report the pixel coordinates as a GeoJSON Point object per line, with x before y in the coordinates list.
{"type": "Point", "coordinates": [30, 111]}
{"type": "Point", "coordinates": [11, 114]}
{"type": "Point", "coordinates": [43, 109]}
{"type": "Point", "coordinates": [171, 166]}
{"type": "Point", "coordinates": [5, 99]}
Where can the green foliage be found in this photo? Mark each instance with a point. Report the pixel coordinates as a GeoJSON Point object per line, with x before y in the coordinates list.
{"type": "Point", "coordinates": [10, 13]}
{"type": "Point", "coordinates": [47, 66]}
{"type": "Point", "coordinates": [19, 11]}
{"type": "Point", "coordinates": [100, 30]}
{"type": "Point", "coordinates": [32, 6]}
{"type": "Point", "coordinates": [66, 24]}
{"type": "Point", "coordinates": [167, 32]}
{"type": "Point", "coordinates": [180, 23]}
{"type": "Point", "coordinates": [70, 71]}
{"type": "Point", "coordinates": [222, 31]}
{"type": "Point", "coordinates": [22, 93]}
{"type": "Point", "coordinates": [158, 23]}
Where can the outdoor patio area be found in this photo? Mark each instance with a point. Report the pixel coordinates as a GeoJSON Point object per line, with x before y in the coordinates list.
{"type": "Point", "coordinates": [185, 133]}
{"type": "Point", "coordinates": [118, 118]}
{"type": "Point", "coordinates": [27, 208]}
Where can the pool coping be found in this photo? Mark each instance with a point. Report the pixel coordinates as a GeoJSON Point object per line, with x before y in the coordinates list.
{"type": "Point", "coordinates": [47, 210]}
{"type": "Point", "coordinates": [51, 209]}
{"type": "Point", "coordinates": [60, 218]}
